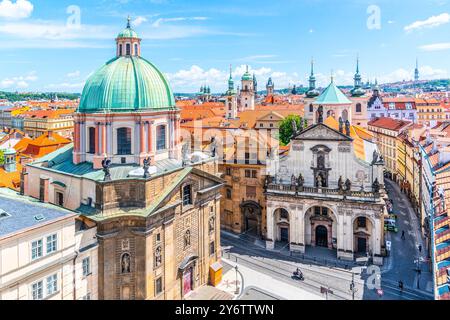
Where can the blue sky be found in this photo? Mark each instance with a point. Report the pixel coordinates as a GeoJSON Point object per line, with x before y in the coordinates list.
{"type": "Point", "coordinates": [194, 42]}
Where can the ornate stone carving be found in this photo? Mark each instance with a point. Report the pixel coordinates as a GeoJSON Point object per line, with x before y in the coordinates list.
{"type": "Point", "coordinates": [344, 147]}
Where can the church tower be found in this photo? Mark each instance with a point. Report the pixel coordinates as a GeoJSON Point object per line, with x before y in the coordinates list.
{"type": "Point", "coordinates": [357, 90]}
{"type": "Point", "coordinates": [416, 72]}
{"type": "Point", "coordinates": [270, 87]}
{"type": "Point", "coordinates": [231, 99]}
{"type": "Point", "coordinates": [247, 93]}
{"type": "Point", "coordinates": [312, 91]}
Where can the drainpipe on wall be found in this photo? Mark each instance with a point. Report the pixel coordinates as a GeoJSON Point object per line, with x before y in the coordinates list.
{"type": "Point", "coordinates": [74, 276]}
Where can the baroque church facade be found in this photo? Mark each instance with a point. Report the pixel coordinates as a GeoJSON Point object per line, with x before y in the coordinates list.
{"type": "Point", "coordinates": [328, 191]}
{"type": "Point", "coordinates": [155, 206]}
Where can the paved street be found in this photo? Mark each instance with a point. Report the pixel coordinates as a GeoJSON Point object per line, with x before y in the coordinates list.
{"type": "Point", "coordinates": [400, 265]}
{"type": "Point", "coordinates": [250, 252]}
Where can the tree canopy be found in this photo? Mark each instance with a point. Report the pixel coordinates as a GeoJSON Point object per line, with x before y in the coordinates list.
{"type": "Point", "coordinates": [286, 129]}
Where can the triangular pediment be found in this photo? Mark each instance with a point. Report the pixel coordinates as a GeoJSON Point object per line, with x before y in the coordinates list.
{"type": "Point", "coordinates": [271, 116]}
{"type": "Point", "coordinates": [321, 131]}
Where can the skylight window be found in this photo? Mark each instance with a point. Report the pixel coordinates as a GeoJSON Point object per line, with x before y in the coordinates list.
{"type": "Point", "coordinates": [39, 217]}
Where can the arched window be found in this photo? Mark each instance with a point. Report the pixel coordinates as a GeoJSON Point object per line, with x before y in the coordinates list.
{"type": "Point", "coordinates": [358, 107]}
{"type": "Point", "coordinates": [123, 141]}
{"type": "Point", "coordinates": [161, 137]}
{"type": "Point", "coordinates": [136, 49]}
{"type": "Point", "coordinates": [311, 108]}
{"type": "Point", "coordinates": [345, 115]}
{"type": "Point", "coordinates": [91, 140]}
{"type": "Point", "coordinates": [128, 49]}
{"type": "Point", "coordinates": [284, 214]}
{"type": "Point", "coordinates": [120, 50]}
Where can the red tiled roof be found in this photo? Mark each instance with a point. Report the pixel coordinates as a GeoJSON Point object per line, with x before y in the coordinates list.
{"type": "Point", "coordinates": [389, 123]}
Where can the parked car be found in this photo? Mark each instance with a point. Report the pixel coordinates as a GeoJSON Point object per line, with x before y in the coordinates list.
{"type": "Point", "coordinates": [390, 225]}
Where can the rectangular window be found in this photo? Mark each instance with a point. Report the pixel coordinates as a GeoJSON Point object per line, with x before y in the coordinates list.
{"type": "Point", "coordinates": [36, 249]}
{"type": "Point", "coordinates": [161, 138]}
{"type": "Point", "coordinates": [52, 284]}
{"type": "Point", "coordinates": [247, 173]}
{"type": "Point", "coordinates": [228, 171]}
{"type": "Point", "coordinates": [123, 141]}
{"type": "Point", "coordinates": [361, 222]}
{"type": "Point", "coordinates": [187, 195]}
{"type": "Point", "coordinates": [228, 193]}
{"type": "Point", "coordinates": [37, 290]}
{"type": "Point", "coordinates": [158, 286]}
{"type": "Point", "coordinates": [52, 243]}
{"type": "Point", "coordinates": [254, 174]}
{"type": "Point", "coordinates": [251, 191]}
{"type": "Point", "coordinates": [86, 266]}
{"type": "Point", "coordinates": [158, 237]}
{"type": "Point", "coordinates": [60, 199]}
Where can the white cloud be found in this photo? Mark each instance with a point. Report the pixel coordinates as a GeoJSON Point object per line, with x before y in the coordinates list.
{"type": "Point", "coordinates": [138, 21]}
{"type": "Point", "coordinates": [16, 10]}
{"type": "Point", "coordinates": [426, 72]}
{"type": "Point", "coordinates": [18, 82]}
{"type": "Point", "coordinates": [74, 74]}
{"type": "Point", "coordinates": [161, 21]}
{"type": "Point", "coordinates": [431, 22]}
{"type": "Point", "coordinates": [436, 46]}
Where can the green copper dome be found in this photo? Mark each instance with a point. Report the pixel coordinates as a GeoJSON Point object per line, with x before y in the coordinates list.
{"type": "Point", "coordinates": [126, 84]}
{"type": "Point", "coordinates": [128, 32]}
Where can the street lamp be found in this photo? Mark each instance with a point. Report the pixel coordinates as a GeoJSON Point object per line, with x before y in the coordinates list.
{"type": "Point", "coordinates": [237, 289]}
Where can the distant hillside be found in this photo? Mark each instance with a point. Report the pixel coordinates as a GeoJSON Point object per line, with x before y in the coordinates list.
{"type": "Point", "coordinates": [16, 96]}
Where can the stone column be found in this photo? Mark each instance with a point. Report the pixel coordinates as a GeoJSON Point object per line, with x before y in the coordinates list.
{"type": "Point", "coordinates": [270, 238]}
{"type": "Point", "coordinates": [297, 228]}
{"type": "Point", "coordinates": [104, 138]}
{"type": "Point", "coordinates": [97, 138]}
{"type": "Point", "coordinates": [142, 137]}
{"type": "Point", "coordinates": [376, 234]}
{"type": "Point", "coordinates": [109, 138]}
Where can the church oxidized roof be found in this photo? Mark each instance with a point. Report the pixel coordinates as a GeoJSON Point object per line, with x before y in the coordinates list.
{"type": "Point", "coordinates": [332, 95]}
{"type": "Point", "coordinates": [127, 83]}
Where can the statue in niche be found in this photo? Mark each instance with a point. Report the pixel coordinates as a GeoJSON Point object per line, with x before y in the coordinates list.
{"type": "Point", "coordinates": [300, 180]}
{"type": "Point", "coordinates": [126, 263]}
{"type": "Point", "coordinates": [187, 239]}
{"type": "Point", "coordinates": [212, 222]}
{"type": "Point", "coordinates": [319, 181]}
{"type": "Point", "coordinates": [321, 161]}
{"type": "Point", "coordinates": [158, 256]}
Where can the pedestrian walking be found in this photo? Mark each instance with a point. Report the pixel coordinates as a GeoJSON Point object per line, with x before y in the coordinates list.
{"type": "Point", "coordinates": [400, 285]}
{"type": "Point", "coordinates": [403, 234]}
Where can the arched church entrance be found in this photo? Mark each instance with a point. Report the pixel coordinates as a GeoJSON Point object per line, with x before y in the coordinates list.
{"type": "Point", "coordinates": [322, 236]}
{"type": "Point", "coordinates": [251, 217]}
